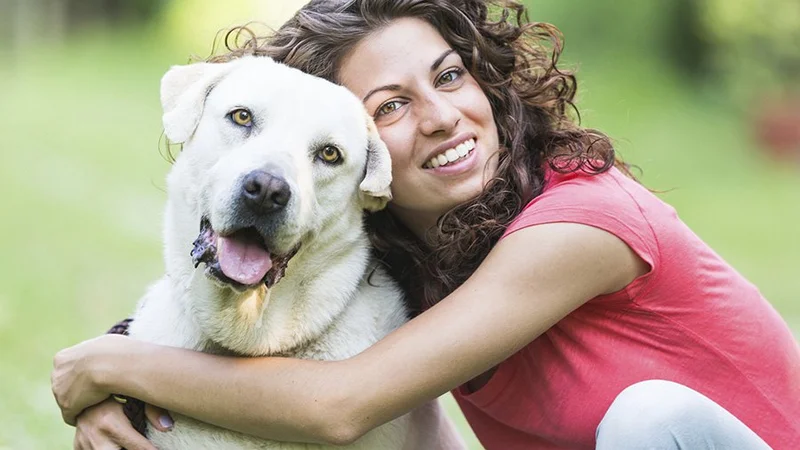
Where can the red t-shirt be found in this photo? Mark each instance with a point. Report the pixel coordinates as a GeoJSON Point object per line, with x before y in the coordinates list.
{"type": "Point", "coordinates": [691, 319]}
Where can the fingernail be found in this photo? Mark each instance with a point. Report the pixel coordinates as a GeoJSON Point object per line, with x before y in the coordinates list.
{"type": "Point", "coordinates": [166, 421]}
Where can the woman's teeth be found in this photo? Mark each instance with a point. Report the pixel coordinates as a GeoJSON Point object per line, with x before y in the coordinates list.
{"type": "Point", "coordinates": [451, 155]}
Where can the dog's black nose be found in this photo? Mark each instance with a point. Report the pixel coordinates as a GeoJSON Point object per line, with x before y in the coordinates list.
{"type": "Point", "coordinates": [264, 192]}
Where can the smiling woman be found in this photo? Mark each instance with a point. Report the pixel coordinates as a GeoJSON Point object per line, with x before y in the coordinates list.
{"type": "Point", "coordinates": [562, 303]}
{"type": "Point", "coordinates": [423, 85]}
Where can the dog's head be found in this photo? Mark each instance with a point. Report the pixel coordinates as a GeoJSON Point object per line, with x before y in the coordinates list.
{"type": "Point", "coordinates": [272, 156]}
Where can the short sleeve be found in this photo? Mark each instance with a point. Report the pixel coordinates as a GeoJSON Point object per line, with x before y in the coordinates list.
{"type": "Point", "coordinates": [607, 201]}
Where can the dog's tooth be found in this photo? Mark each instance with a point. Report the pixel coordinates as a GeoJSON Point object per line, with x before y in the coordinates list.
{"type": "Point", "coordinates": [442, 159]}
{"type": "Point", "coordinates": [451, 154]}
{"type": "Point", "coordinates": [470, 144]}
{"type": "Point", "coordinates": [434, 162]}
{"type": "Point", "coordinates": [461, 149]}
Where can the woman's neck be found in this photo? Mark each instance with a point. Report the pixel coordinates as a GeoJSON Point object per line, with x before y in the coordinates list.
{"type": "Point", "coordinates": [420, 223]}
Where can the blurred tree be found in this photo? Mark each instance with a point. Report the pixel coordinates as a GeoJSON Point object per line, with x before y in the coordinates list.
{"type": "Point", "coordinates": [192, 25]}
{"type": "Point", "coordinates": [754, 41]}
{"type": "Point", "coordinates": [114, 11]}
{"type": "Point", "coordinates": [24, 22]}
{"type": "Point", "coordinates": [685, 42]}
{"type": "Point", "coordinates": [757, 55]}
{"type": "Point", "coordinates": [741, 39]}
{"type": "Point", "coordinates": [606, 28]}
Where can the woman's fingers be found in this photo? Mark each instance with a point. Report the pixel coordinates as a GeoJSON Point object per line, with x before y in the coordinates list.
{"type": "Point", "coordinates": [159, 418]}
{"type": "Point", "coordinates": [93, 440]}
{"type": "Point", "coordinates": [105, 427]}
{"type": "Point", "coordinates": [83, 442]}
{"type": "Point", "coordinates": [130, 439]}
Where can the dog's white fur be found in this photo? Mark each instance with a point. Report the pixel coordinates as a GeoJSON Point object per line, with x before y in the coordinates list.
{"type": "Point", "coordinates": [324, 308]}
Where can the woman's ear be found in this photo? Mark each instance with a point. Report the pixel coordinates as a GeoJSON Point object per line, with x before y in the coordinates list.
{"type": "Point", "coordinates": [183, 94]}
{"type": "Point", "coordinates": [375, 190]}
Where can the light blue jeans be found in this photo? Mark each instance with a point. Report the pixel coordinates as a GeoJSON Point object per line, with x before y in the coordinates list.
{"type": "Point", "coordinates": [658, 414]}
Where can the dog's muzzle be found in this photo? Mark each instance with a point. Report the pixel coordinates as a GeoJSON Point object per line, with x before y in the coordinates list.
{"type": "Point", "coordinates": [241, 257]}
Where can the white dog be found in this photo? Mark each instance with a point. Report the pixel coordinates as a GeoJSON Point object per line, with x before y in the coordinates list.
{"type": "Point", "coordinates": [264, 244]}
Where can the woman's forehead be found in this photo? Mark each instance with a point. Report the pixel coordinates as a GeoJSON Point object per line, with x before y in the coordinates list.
{"type": "Point", "coordinates": [403, 48]}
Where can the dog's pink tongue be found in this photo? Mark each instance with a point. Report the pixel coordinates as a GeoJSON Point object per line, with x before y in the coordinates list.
{"type": "Point", "coordinates": [244, 262]}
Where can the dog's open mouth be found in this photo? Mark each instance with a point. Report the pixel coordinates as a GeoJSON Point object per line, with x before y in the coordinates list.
{"type": "Point", "coordinates": [240, 259]}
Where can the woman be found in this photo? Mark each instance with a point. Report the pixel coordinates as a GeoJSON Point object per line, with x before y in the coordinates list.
{"type": "Point", "coordinates": [563, 304]}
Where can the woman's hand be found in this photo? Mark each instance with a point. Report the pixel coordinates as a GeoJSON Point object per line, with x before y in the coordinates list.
{"type": "Point", "coordinates": [105, 427]}
{"type": "Point", "coordinates": [75, 380]}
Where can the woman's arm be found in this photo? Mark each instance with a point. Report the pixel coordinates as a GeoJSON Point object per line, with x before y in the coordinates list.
{"type": "Point", "coordinates": [529, 281]}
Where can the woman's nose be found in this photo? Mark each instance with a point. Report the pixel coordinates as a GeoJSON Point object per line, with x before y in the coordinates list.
{"type": "Point", "coordinates": [438, 114]}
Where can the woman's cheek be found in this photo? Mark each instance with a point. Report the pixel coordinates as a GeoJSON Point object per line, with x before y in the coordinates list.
{"type": "Point", "coordinates": [397, 151]}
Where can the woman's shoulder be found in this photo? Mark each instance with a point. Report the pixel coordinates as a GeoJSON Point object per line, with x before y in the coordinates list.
{"type": "Point", "coordinates": [588, 198]}
{"type": "Point", "coordinates": [611, 188]}
{"type": "Point", "coordinates": [610, 201]}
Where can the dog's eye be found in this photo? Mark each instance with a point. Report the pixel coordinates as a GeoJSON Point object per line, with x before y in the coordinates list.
{"type": "Point", "coordinates": [241, 117]}
{"type": "Point", "coordinates": [330, 154]}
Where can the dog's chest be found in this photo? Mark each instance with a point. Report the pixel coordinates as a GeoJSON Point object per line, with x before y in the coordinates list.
{"type": "Point", "coordinates": [164, 319]}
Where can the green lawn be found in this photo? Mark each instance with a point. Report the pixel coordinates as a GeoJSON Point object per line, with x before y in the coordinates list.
{"type": "Point", "coordinates": [82, 183]}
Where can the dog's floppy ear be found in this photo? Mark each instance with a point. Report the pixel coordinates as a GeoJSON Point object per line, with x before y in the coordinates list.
{"type": "Point", "coordinates": [375, 192]}
{"type": "Point", "coordinates": [183, 94]}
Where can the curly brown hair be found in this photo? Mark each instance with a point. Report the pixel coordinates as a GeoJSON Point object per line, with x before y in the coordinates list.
{"type": "Point", "coordinates": [515, 63]}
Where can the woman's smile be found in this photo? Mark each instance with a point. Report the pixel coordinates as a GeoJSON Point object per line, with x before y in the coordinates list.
{"type": "Point", "coordinates": [451, 156]}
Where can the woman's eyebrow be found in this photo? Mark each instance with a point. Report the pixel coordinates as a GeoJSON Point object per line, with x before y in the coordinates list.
{"type": "Point", "coordinates": [441, 58]}
{"type": "Point", "coordinates": [388, 87]}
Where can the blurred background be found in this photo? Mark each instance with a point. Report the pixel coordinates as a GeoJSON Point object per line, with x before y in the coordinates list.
{"type": "Point", "coordinates": [702, 95]}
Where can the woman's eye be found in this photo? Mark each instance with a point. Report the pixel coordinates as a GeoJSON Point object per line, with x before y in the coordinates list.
{"type": "Point", "coordinates": [449, 77]}
{"type": "Point", "coordinates": [242, 117]}
{"type": "Point", "coordinates": [389, 107]}
{"type": "Point", "coordinates": [330, 154]}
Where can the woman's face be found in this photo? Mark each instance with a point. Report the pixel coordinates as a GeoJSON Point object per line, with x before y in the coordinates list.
{"type": "Point", "coordinates": [430, 112]}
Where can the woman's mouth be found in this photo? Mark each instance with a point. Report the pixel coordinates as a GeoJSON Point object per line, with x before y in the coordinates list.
{"type": "Point", "coordinates": [451, 155]}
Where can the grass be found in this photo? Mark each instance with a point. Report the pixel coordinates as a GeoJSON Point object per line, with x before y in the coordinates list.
{"type": "Point", "coordinates": [82, 179]}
